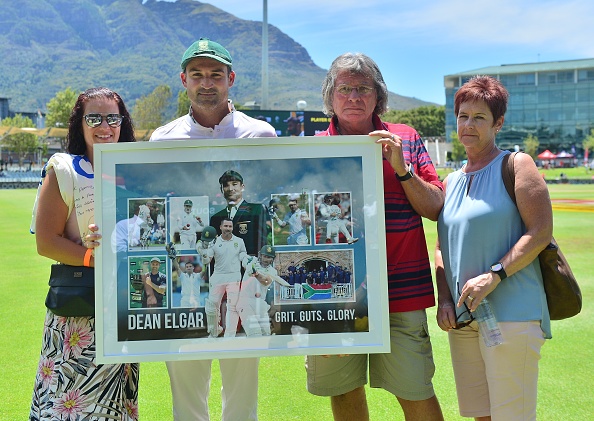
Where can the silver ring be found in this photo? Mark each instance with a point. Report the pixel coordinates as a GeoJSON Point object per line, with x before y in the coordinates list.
{"type": "Point", "coordinates": [470, 297]}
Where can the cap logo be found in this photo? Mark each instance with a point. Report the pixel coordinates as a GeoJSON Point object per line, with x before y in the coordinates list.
{"type": "Point", "coordinates": [269, 249]}
{"type": "Point", "coordinates": [206, 234]}
{"type": "Point", "coordinates": [207, 48]}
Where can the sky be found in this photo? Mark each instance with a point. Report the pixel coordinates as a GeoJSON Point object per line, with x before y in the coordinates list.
{"type": "Point", "coordinates": [417, 43]}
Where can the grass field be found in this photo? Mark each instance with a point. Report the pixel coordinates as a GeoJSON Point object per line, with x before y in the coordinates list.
{"type": "Point", "coordinates": [566, 367]}
{"type": "Point", "coordinates": [577, 173]}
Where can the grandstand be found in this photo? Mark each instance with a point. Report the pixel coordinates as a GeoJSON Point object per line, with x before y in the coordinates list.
{"type": "Point", "coordinates": [18, 178]}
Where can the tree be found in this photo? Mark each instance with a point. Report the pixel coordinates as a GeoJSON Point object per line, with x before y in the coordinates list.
{"type": "Point", "coordinates": [458, 152]}
{"type": "Point", "coordinates": [588, 143]}
{"type": "Point", "coordinates": [60, 107]}
{"type": "Point", "coordinates": [427, 120]}
{"type": "Point", "coordinates": [531, 144]}
{"type": "Point", "coordinates": [20, 143]}
{"type": "Point", "coordinates": [183, 103]}
{"type": "Point", "coordinates": [148, 113]}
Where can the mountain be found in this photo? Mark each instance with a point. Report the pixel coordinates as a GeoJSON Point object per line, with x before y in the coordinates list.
{"type": "Point", "coordinates": [132, 47]}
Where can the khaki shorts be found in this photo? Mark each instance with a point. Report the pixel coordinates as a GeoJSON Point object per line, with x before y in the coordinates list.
{"type": "Point", "coordinates": [499, 381]}
{"type": "Point", "coordinates": [406, 371]}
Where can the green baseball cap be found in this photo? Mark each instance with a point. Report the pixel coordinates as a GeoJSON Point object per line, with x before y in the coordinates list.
{"type": "Point", "coordinates": [206, 48]}
{"type": "Point", "coordinates": [268, 250]}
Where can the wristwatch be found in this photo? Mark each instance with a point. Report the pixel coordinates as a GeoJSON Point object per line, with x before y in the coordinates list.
{"type": "Point", "coordinates": [407, 176]}
{"type": "Point", "coordinates": [498, 269]}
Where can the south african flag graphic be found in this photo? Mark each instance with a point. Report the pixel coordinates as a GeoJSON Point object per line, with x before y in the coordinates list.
{"type": "Point", "coordinates": [317, 292]}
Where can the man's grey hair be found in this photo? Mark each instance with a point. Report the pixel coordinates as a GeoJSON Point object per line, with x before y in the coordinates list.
{"type": "Point", "coordinates": [360, 64]}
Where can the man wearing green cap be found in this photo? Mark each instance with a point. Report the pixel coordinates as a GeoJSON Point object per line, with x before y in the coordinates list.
{"type": "Point", "coordinates": [207, 76]}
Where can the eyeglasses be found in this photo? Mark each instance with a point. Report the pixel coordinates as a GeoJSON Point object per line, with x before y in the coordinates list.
{"type": "Point", "coordinates": [346, 90]}
{"type": "Point", "coordinates": [460, 325]}
{"type": "Point", "coordinates": [95, 119]}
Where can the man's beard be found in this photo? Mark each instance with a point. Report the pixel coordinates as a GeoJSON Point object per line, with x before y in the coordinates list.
{"type": "Point", "coordinates": [208, 102]}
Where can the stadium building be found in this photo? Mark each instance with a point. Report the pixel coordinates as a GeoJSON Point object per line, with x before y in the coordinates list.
{"type": "Point", "coordinates": [553, 100]}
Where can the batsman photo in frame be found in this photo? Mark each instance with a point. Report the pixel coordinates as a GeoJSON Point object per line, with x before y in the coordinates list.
{"type": "Point", "coordinates": [250, 253]}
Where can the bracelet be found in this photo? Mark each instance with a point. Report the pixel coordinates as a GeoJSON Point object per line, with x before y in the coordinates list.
{"type": "Point", "coordinates": [87, 258]}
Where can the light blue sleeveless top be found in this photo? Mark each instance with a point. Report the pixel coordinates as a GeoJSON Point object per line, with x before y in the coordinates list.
{"type": "Point", "coordinates": [478, 225]}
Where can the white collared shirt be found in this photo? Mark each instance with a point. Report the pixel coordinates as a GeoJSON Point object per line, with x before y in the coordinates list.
{"type": "Point", "coordinates": [234, 125]}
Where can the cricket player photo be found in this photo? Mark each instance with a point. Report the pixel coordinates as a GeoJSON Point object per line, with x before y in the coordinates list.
{"type": "Point", "coordinates": [188, 217]}
{"type": "Point", "coordinates": [333, 212]}
{"type": "Point", "coordinates": [291, 223]}
{"type": "Point", "coordinates": [251, 305]}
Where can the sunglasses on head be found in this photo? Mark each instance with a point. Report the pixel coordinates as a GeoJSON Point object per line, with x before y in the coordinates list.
{"type": "Point", "coordinates": [95, 119]}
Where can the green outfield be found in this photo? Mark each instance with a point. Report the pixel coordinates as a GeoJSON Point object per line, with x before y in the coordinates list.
{"type": "Point", "coordinates": [566, 366]}
{"type": "Point", "coordinates": [575, 173]}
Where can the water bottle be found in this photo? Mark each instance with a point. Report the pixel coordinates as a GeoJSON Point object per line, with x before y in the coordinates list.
{"type": "Point", "coordinates": [488, 324]}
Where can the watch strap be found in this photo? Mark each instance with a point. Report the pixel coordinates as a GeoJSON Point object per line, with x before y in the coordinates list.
{"type": "Point", "coordinates": [407, 176]}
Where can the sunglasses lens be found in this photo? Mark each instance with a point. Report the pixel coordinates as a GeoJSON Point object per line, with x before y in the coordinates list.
{"type": "Point", "coordinates": [114, 120]}
{"type": "Point", "coordinates": [93, 120]}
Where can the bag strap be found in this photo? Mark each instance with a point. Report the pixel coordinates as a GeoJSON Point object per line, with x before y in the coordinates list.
{"type": "Point", "coordinates": [508, 175]}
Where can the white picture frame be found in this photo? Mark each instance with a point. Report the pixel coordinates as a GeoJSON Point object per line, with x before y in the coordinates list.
{"type": "Point", "coordinates": [322, 315]}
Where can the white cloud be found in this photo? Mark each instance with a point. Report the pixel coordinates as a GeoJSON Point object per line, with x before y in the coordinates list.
{"type": "Point", "coordinates": [564, 26]}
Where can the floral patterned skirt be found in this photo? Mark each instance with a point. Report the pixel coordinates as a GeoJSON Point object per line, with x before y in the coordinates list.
{"type": "Point", "coordinates": [71, 386]}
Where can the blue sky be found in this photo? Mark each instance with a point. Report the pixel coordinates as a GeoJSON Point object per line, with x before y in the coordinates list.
{"type": "Point", "coordinates": [417, 43]}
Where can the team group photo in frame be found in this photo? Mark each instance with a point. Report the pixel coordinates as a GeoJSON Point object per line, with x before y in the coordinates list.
{"type": "Point", "coordinates": [241, 249]}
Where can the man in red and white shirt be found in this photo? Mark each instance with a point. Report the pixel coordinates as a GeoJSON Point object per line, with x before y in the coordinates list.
{"type": "Point", "coordinates": [355, 95]}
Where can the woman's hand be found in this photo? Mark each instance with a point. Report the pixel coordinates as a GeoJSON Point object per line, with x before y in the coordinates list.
{"type": "Point", "coordinates": [478, 288]}
{"type": "Point", "coordinates": [446, 316]}
{"type": "Point", "coordinates": [91, 239]}
{"type": "Point", "coordinates": [446, 310]}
